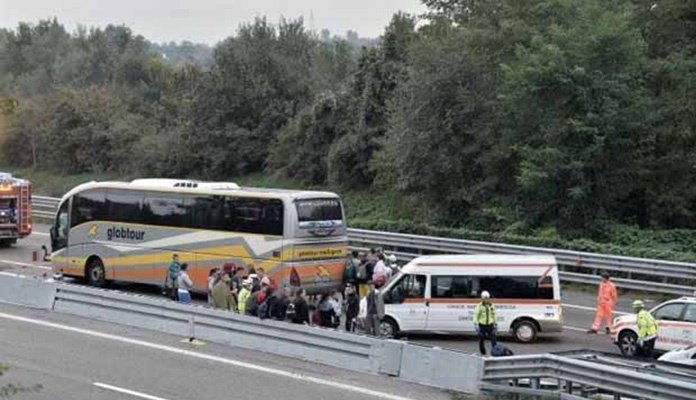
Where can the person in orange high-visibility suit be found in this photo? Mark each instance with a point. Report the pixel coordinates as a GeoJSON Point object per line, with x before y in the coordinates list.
{"type": "Point", "coordinates": [606, 298]}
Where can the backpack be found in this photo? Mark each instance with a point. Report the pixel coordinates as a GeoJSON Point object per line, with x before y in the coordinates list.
{"type": "Point", "coordinates": [501, 351]}
{"type": "Point", "coordinates": [269, 307]}
{"type": "Point", "coordinates": [251, 307]}
{"type": "Point", "coordinates": [362, 271]}
{"type": "Point", "coordinates": [263, 310]}
{"type": "Point", "coordinates": [290, 312]}
{"type": "Point", "coordinates": [350, 272]}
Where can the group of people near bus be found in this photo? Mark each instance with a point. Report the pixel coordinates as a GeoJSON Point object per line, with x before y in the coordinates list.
{"type": "Point", "coordinates": [250, 291]}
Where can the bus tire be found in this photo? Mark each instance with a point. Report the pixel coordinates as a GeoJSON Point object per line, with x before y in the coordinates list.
{"type": "Point", "coordinates": [525, 330]}
{"type": "Point", "coordinates": [96, 274]}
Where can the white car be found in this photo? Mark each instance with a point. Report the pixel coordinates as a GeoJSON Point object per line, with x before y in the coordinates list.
{"type": "Point", "coordinates": [676, 321]}
{"type": "Point", "coordinates": [685, 356]}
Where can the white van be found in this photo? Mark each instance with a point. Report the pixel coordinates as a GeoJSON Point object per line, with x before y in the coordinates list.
{"type": "Point", "coordinates": [440, 293]}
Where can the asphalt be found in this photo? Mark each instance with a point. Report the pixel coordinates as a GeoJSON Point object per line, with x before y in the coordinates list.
{"type": "Point", "coordinates": [578, 308]}
{"type": "Point", "coordinates": [77, 358]}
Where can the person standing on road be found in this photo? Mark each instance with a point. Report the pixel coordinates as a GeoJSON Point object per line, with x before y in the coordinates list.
{"type": "Point", "coordinates": [375, 311]}
{"type": "Point", "coordinates": [213, 277]}
{"type": "Point", "coordinates": [172, 275]}
{"type": "Point", "coordinates": [647, 330]}
{"type": "Point", "coordinates": [485, 322]}
{"type": "Point", "coordinates": [185, 284]}
{"type": "Point", "coordinates": [299, 312]}
{"type": "Point", "coordinates": [243, 296]}
{"type": "Point", "coordinates": [352, 301]}
{"type": "Point", "coordinates": [222, 295]}
{"type": "Point", "coordinates": [606, 298]}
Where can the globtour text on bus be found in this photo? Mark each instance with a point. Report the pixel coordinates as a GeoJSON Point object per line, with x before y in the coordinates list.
{"type": "Point", "coordinates": [124, 233]}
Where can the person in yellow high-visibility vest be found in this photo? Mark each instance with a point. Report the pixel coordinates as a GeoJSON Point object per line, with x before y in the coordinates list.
{"type": "Point", "coordinates": [647, 330]}
{"type": "Point", "coordinates": [486, 322]}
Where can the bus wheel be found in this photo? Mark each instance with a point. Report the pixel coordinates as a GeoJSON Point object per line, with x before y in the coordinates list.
{"type": "Point", "coordinates": [627, 343]}
{"type": "Point", "coordinates": [525, 331]}
{"type": "Point", "coordinates": [95, 273]}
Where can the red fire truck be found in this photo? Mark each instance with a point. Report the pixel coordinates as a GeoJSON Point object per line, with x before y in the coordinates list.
{"type": "Point", "coordinates": [15, 209]}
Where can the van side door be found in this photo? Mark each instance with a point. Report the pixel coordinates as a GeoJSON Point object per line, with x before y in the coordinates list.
{"type": "Point", "coordinates": [449, 307]}
{"type": "Point", "coordinates": [406, 302]}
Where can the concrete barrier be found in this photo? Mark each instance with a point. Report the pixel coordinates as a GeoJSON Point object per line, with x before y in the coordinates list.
{"type": "Point", "coordinates": [441, 368]}
{"type": "Point", "coordinates": [340, 349]}
{"type": "Point", "coordinates": [26, 291]}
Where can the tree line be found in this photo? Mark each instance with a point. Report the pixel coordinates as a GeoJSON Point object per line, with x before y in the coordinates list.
{"type": "Point", "coordinates": [502, 114]}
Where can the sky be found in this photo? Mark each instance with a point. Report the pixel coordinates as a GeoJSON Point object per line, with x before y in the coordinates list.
{"type": "Point", "coordinates": [207, 21]}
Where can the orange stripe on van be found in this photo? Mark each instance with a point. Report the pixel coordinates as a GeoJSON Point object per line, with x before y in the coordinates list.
{"type": "Point", "coordinates": [476, 301]}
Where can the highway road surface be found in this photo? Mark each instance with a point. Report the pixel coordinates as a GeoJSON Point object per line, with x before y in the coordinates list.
{"type": "Point", "coordinates": [75, 358]}
{"type": "Point", "coordinates": [578, 310]}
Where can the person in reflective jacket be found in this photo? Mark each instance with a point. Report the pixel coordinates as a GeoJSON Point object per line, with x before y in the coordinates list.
{"type": "Point", "coordinates": [485, 322]}
{"type": "Point", "coordinates": [647, 329]}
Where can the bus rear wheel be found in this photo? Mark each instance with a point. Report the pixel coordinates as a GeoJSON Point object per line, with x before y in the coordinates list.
{"type": "Point", "coordinates": [96, 275]}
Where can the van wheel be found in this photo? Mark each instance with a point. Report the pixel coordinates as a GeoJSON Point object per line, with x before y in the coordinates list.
{"type": "Point", "coordinates": [96, 275]}
{"type": "Point", "coordinates": [525, 331]}
{"type": "Point", "coordinates": [387, 328]}
{"type": "Point", "coordinates": [627, 343]}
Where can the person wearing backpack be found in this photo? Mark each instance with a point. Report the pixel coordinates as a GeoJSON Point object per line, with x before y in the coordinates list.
{"type": "Point", "coordinates": [350, 273]}
{"type": "Point", "coordinates": [252, 307]}
{"type": "Point", "coordinates": [361, 287]}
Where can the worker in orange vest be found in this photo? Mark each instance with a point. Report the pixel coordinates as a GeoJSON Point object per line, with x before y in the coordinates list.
{"type": "Point", "coordinates": [606, 298]}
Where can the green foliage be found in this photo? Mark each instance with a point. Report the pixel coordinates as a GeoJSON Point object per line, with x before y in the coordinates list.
{"type": "Point", "coordinates": [556, 119]}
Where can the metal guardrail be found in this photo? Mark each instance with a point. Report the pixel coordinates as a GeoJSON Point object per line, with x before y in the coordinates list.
{"type": "Point", "coordinates": [579, 267]}
{"type": "Point", "coordinates": [406, 247]}
{"type": "Point", "coordinates": [578, 378]}
{"type": "Point", "coordinates": [44, 207]}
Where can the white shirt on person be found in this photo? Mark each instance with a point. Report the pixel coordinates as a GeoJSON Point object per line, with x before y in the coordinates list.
{"type": "Point", "coordinates": [381, 269]}
{"type": "Point", "coordinates": [185, 283]}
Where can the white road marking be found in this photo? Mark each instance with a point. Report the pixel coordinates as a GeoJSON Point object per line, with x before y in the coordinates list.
{"type": "Point", "coordinates": [207, 357]}
{"type": "Point", "coordinates": [127, 391]}
{"type": "Point", "coordinates": [573, 328]}
{"type": "Point", "coordinates": [40, 233]}
{"type": "Point", "coordinates": [21, 264]}
{"type": "Point", "coordinates": [592, 309]}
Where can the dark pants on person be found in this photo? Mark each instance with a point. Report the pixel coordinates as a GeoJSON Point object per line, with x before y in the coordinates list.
{"type": "Point", "coordinates": [646, 350]}
{"type": "Point", "coordinates": [372, 324]}
{"type": "Point", "coordinates": [486, 332]}
{"type": "Point", "coordinates": [350, 322]}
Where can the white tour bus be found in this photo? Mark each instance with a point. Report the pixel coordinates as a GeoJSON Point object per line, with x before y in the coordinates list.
{"type": "Point", "coordinates": [440, 293]}
{"type": "Point", "coordinates": [129, 231]}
